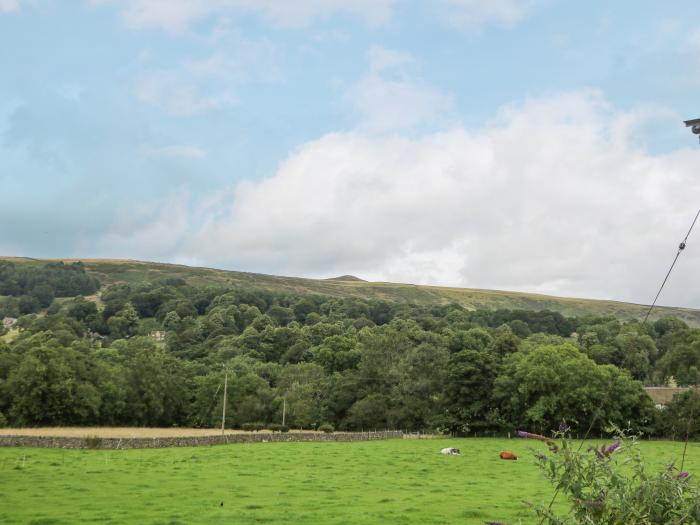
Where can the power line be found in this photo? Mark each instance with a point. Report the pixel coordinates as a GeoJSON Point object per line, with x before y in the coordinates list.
{"type": "Point", "coordinates": [681, 247]}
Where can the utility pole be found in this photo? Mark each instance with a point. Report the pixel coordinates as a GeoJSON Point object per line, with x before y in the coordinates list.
{"type": "Point", "coordinates": [284, 409]}
{"type": "Point", "coordinates": [223, 412]}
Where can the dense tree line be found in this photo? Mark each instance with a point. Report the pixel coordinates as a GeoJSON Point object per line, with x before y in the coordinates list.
{"type": "Point", "coordinates": [30, 288]}
{"type": "Point", "coordinates": [357, 364]}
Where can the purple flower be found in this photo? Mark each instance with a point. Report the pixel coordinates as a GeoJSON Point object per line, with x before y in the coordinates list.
{"type": "Point", "coordinates": [604, 451]}
{"type": "Point", "coordinates": [523, 434]}
{"type": "Point", "coordinates": [683, 475]}
{"type": "Point", "coordinates": [563, 427]}
{"type": "Point", "coordinates": [494, 523]}
{"type": "Point", "coordinates": [612, 448]}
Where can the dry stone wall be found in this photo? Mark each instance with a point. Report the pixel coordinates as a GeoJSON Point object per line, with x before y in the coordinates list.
{"type": "Point", "coordinates": [189, 441]}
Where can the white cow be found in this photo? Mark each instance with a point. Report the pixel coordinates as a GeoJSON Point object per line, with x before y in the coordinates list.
{"type": "Point", "coordinates": [450, 451]}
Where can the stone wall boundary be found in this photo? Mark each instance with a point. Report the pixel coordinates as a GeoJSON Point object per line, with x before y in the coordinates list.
{"type": "Point", "coordinates": [190, 441]}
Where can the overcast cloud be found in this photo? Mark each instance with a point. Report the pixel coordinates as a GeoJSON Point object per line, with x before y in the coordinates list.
{"type": "Point", "coordinates": [532, 145]}
{"type": "Point", "coordinates": [553, 196]}
{"type": "Point", "coordinates": [176, 16]}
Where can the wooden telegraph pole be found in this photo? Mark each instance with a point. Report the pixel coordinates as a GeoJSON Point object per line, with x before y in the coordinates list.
{"type": "Point", "coordinates": [223, 412]}
{"type": "Point", "coordinates": [284, 409]}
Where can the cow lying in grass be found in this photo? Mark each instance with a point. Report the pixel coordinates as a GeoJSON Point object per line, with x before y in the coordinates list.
{"type": "Point", "coordinates": [450, 451]}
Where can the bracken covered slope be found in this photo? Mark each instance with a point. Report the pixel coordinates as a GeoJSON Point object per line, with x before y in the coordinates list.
{"type": "Point", "coordinates": [111, 271]}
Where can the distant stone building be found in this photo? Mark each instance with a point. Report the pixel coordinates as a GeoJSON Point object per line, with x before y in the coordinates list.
{"type": "Point", "coordinates": [662, 395]}
{"type": "Point", "coordinates": [95, 338]}
{"type": "Point", "coordinates": [159, 336]}
{"type": "Point", "coordinates": [8, 322]}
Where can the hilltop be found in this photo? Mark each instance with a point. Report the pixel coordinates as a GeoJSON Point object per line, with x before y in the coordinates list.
{"type": "Point", "coordinates": [110, 271]}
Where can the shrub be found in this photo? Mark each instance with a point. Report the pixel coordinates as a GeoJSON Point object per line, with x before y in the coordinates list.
{"type": "Point", "coordinates": [612, 485]}
{"type": "Point", "coordinates": [3, 421]}
{"type": "Point", "coordinates": [326, 428]}
{"type": "Point", "coordinates": [252, 427]}
{"type": "Point", "coordinates": [275, 427]}
{"type": "Point", "coordinates": [680, 416]}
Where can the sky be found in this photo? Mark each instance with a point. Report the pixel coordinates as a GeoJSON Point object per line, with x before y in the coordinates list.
{"type": "Point", "coordinates": [529, 145]}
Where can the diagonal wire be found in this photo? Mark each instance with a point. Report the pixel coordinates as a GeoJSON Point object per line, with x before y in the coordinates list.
{"type": "Point", "coordinates": [681, 247]}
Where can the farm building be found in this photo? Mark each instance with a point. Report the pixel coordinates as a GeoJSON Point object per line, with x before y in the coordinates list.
{"type": "Point", "coordinates": [662, 395]}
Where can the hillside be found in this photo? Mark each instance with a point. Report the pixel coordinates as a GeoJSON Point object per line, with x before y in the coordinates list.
{"type": "Point", "coordinates": [157, 352]}
{"type": "Point", "coordinates": [112, 271]}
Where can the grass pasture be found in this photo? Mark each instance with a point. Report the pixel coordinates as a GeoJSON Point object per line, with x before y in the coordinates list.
{"type": "Point", "coordinates": [397, 481]}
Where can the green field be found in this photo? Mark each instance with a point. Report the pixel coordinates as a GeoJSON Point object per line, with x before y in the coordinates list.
{"type": "Point", "coordinates": [398, 481]}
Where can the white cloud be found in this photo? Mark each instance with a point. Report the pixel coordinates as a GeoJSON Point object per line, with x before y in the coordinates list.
{"type": "Point", "coordinates": [152, 232]}
{"type": "Point", "coordinates": [382, 59]}
{"type": "Point", "coordinates": [13, 6]}
{"type": "Point", "coordinates": [177, 15]}
{"type": "Point", "coordinates": [299, 13]}
{"type": "Point", "coordinates": [552, 196]}
{"type": "Point", "coordinates": [472, 14]}
{"type": "Point", "coordinates": [199, 85]}
{"type": "Point", "coordinates": [170, 15]}
{"type": "Point", "coordinates": [7, 6]}
{"type": "Point", "coordinates": [390, 96]}
{"type": "Point", "coordinates": [694, 41]}
{"type": "Point", "coordinates": [176, 94]}
{"type": "Point", "coordinates": [176, 151]}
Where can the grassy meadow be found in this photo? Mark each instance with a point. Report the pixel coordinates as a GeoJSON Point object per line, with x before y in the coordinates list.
{"type": "Point", "coordinates": [397, 481]}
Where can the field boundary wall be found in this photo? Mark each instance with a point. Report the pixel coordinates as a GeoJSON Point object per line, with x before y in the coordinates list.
{"type": "Point", "coordinates": [189, 441]}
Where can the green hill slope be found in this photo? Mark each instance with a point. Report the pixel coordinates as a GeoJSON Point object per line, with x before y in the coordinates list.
{"type": "Point", "coordinates": [113, 271]}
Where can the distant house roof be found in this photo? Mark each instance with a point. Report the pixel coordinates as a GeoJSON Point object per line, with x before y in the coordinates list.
{"type": "Point", "coordinates": [662, 395]}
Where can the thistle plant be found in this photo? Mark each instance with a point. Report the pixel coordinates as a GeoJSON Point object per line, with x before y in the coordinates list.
{"type": "Point", "coordinates": [612, 485]}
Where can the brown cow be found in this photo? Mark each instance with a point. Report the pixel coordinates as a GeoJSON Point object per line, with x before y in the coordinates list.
{"type": "Point", "coordinates": [508, 455]}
